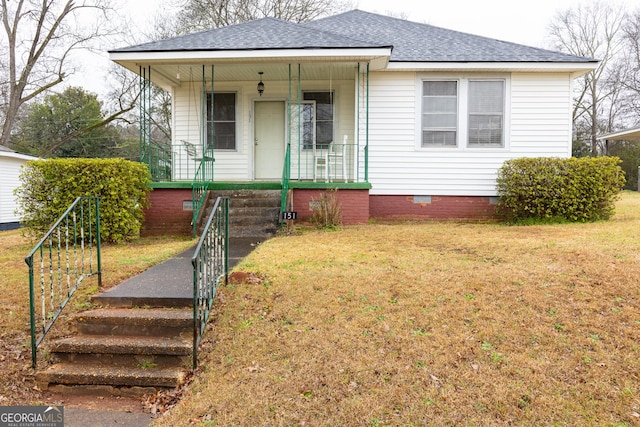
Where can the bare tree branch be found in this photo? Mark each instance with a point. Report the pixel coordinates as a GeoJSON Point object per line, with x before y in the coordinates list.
{"type": "Point", "coordinates": [207, 14]}
{"type": "Point", "coordinates": [592, 31]}
{"type": "Point", "coordinates": [39, 42]}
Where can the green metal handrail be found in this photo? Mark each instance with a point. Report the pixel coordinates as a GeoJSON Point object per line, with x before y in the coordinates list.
{"type": "Point", "coordinates": [199, 188]}
{"type": "Point", "coordinates": [67, 254]}
{"type": "Point", "coordinates": [286, 177]}
{"type": "Point", "coordinates": [210, 265]}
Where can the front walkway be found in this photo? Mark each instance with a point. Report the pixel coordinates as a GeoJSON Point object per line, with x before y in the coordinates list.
{"type": "Point", "coordinates": [171, 282]}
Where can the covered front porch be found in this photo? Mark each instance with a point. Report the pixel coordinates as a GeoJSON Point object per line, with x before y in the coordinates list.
{"type": "Point", "coordinates": [260, 122]}
{"type": "Point", "coordinates": [283, 112]}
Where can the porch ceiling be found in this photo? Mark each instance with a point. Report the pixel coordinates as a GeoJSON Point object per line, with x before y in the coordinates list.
{"type": "Point", "coordinates": [173, 75]}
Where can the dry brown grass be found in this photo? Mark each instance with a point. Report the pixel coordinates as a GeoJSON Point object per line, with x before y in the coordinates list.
{"type": "Point", "coordinates": [429, 324]}
{"type": "Point", "coordinates": [118, 263]}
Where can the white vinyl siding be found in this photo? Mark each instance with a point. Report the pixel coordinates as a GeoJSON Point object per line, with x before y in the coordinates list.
{"type": "Point", "coordinates": [541, 115]}
{"type": "Point", "coordinates": [537, 123]}
{"type": "Point", "coordinates": [9, 181]}
{"type": "Point", "coordinates": [229, 165]}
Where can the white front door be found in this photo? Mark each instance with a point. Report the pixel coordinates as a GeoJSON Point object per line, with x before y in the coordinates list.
{"type": "Point", "coordinates": [269, 142]}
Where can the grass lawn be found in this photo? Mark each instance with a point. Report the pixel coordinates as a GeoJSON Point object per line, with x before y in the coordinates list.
{"type": "Point", "coordinates": [118, 263]}
{"type": "Point", "coordinates": [431, 323]}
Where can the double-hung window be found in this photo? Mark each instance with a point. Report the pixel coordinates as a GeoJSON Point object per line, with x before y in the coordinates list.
{"type": "Point", "coordinates": [221, 120]}
{"type": "Point", "coordinates": [320, 112]}
{"type": "Point", "coordinates": [463, 113]}
{"type": "Point", "coordinates": [485, 111]}
{"type": "Point", "coordinates": [439, 113]}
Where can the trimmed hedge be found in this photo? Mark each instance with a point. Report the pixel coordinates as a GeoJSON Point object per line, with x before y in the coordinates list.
{"type": "Point", "coordinates": [50, 186]}
{"type": "Point", "coordinates": [574, 189]}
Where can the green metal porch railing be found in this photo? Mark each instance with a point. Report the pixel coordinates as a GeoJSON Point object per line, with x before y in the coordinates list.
{"type": "Point", "coordinates": [67, 254]}
{"type": "Point", "coordinates": [210, 265]}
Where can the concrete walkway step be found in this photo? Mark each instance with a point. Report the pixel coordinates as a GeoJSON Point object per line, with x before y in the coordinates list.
{"type": "Point", "coordinates": [94, 374]}
{"type": "Point", "coordinates": [132, 345]}
{"type": "Point", "coordinates": [132, 321]}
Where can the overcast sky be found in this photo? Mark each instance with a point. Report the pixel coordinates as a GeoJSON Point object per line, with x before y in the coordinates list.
{"type": "Point", "coordinates": [517, 21]}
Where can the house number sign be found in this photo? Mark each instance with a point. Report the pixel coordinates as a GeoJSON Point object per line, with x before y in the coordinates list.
{"type": "Point", "coordinates": [289, 215]}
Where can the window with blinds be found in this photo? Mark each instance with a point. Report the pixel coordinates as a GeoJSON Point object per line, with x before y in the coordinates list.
{"type": "Point", "coordinates": [439, 113]}
{"type": "Point", "coordinates": [486, 113]}
{"type": "Point", "coordinates": [463, 112]}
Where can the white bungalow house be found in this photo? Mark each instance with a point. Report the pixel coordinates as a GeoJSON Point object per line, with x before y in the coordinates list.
{"type": "Point", "coordinates": [10, 164]}
{"type": "Point", "coordinates": [407, 120]}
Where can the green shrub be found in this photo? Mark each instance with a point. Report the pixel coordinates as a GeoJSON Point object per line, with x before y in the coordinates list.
{"type": "Point", "coordinates": [48, 187]}
{"type": "Point", "coordinates": [575, 189]}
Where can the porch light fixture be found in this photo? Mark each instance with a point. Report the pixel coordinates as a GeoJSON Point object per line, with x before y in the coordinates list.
{"type": "Point", "coordinates": [260, 84]}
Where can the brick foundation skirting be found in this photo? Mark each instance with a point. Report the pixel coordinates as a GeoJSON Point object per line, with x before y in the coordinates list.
{"type": "Point", "coordinates": [354, 204]}
{"type": "Point", "coordinates": [167, 216]}
{"type": "Point", "coordinates": [474, 208]}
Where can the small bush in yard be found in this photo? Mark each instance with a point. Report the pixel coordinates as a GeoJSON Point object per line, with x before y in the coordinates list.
{"type": "Point", "coordinates": [50, 186]}
{"type": "Point", "coordinates": [326, 211]}
{"type": "Point", "coordinates": [546, 188]}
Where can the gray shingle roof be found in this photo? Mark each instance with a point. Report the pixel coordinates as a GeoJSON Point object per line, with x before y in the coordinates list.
{"type": "Point", "coordinates": [410, 41]}
{"type": "Point", "coordinates": [265, 33]}
{"type": "Point", "coordinates": [415, 42]}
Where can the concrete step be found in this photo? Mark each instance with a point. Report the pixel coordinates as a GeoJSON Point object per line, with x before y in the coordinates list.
{"type": "Point", "coordinates": [116, 348]}
{"type": "Point", "coordinates": [258, 232]}
{"type": "Point", "coordinates": [269, 213]}
{"type": "Point", "coordinates": [133, 301]}
{"type": "Point", "coordinates": [251, 212]}
{"type": "Point", "coordinates": [140, 322]}
{"type": "Point", "coordinates": [143, 361]}
{"type": "Point", "coordinates": [241, 194]}
{"type": "Point", "coordinates": [130, 345]}
{"type": "Point", "coordinates": [100, 375]}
